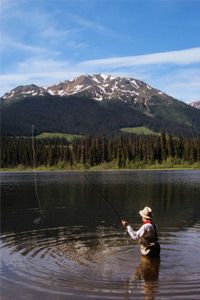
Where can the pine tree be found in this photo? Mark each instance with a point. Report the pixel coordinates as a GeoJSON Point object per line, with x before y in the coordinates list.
{"type": "Point", "coordinates": [164, 150]}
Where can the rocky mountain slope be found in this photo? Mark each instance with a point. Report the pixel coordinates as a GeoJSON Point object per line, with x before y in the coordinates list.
{"type": "Point", "coordinates": [95, 104]}
{"type": "Point", "coordinates": [98, 87]}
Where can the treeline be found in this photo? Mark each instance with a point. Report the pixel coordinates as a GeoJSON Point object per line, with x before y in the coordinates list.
{"type": "Point", "coordinates": [121, 152]}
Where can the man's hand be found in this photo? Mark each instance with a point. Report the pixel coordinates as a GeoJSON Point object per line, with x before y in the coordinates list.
{"type": "Point", "coordinates": [124, 223]}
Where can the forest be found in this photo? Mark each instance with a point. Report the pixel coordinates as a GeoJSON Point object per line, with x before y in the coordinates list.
{"type": "Point", "coordinates": [125, 151]}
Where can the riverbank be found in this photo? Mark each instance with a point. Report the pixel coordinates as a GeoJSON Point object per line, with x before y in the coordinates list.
{"type": "Point", "coordinates": [106, 167]}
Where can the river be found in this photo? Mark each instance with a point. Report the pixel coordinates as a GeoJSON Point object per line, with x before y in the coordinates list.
{"type": "Point", "coordinates": [67, 243]}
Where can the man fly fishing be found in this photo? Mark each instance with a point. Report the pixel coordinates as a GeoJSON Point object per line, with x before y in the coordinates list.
{"type": "Point", "coordinates": [146, 235]}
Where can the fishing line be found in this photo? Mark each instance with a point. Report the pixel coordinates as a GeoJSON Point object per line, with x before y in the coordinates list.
{"type": "Point", "coordinates": [103, 197]}
{"type": "Point", "coordinates": [34, 172]}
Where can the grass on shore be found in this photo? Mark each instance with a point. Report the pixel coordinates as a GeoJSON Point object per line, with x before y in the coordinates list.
{"type": "Point", "coordinates": [62, 166]}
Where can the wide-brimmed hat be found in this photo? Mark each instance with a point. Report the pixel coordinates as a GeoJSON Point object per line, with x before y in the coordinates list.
{"type": "Point", "coordinates": [146, 213]}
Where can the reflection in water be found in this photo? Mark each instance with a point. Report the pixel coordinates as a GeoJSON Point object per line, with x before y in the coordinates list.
{"type": "Point", "coordinates": [76, 249]}
{"type": "Point", "coordinates": [148, 270]}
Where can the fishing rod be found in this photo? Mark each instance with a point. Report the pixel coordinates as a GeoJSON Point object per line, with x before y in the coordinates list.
{"type": "Point", "coordinates": [103, 197]}
{"type": "Point", "coordinates": [35, 179]}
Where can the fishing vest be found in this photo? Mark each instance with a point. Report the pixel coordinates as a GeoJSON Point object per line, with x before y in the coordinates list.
{"type": "Point", "coordinates": [150, 246]}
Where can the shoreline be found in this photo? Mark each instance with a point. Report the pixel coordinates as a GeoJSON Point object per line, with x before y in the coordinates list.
{"type": "Point", "coordinates": [30, 170]}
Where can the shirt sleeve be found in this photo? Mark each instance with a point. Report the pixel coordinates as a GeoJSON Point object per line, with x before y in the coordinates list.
{"type": "Point", "coordinates": [136, 235]}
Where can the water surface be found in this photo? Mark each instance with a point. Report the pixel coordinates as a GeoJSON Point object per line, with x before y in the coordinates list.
{"type": "Point", "coordinates": [70, 244]}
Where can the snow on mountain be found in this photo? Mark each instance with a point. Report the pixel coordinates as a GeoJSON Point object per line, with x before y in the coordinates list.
{"type": "Point", "coordinates": [195, 104]}
{"type": "Point", "coordinates": [107, 87]}
{"type": "Point", "coordinates": [24, 91]}
{"type": "Point", "coordinates": [98, 86]}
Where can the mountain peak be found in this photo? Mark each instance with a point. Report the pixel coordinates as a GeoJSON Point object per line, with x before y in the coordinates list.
{"type": "Point", "coordinates": [110, 103]}
{"type": "Point", "coordinates": [97, 86]}
{"type": "Point", "coordinates": [105, 87]}
{"type": "Point", "coordinates": [23, 91]}
{"type": "Point", "coordinates": [195, 104]}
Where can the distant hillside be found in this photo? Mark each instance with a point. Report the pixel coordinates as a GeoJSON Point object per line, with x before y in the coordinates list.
{"type": "Point", "coordinates": [138, 130]}
{"type": "Point", "coordinates": [97, 105]}
{"type": "Point", "coordinates": [51, 135]}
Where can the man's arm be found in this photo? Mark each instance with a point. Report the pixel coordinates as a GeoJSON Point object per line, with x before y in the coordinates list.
{"type": "Point", "coordinates": [135, 235]}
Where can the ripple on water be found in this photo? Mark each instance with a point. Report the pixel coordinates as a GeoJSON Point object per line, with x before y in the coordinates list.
{"type": "Point", "coordinates": [101, 264]}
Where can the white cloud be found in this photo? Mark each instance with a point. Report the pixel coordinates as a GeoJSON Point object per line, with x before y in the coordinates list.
{"type": "Point", "coordinates": [11, 44]}
{"type": "Point", "coordinates": [95, 26]}
{"type": "Point", "coordinates": [38, 65]}
{"type": "Point", "coordinates": [179, 80]}
{"type": "Point", "coordinates": [53, 39]}
{"type": "Point", "coordinates": [183, 84]}
{"type": "Point", "coordinates": [9, 81]}
{"type": "Point", "coordinates": [180, 57]}
{"type": "Point", "coordinates": [42, 29]}
{"type": "Point", "coordinates": [42, 72]}
{"type": "Point", "coordinates": [50, 31]}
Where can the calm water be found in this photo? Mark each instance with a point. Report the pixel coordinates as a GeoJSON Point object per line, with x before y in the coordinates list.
{"type": "Point", "coordinates": [75, 248]}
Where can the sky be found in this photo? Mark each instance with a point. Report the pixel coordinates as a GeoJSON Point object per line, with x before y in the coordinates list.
{"type": "Point", "coordinates": [45, 42]}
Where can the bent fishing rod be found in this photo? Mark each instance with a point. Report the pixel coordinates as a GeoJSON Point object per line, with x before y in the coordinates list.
{"type": "Point", "coordinates": [35, 180]}
{"type": "Point", "coordinates": [103, 198]}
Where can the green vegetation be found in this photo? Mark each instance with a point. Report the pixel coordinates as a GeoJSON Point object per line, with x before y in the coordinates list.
{"type": "Point", "coordinates": [51, 135]}
{"type": "Point", "coordinates": [103, 167]}
{"type": "Point", "coordinates": [82, 115]}
{"type": "Point", "coordinates": [173, 111]}
{"type": "Point", "coordinates": [100, 153]}
{"type": "Point", "coordinates": [138, 130]}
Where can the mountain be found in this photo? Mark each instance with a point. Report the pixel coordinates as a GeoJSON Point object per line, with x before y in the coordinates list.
{"type": "Point", "coordinates": [21, 92]}
{"type": "Point", "coordinates": [95, 104]}
{"type": "Point", "coordinates": [195, 104]}
{"type": "Point", "coordinates": [98, 87]}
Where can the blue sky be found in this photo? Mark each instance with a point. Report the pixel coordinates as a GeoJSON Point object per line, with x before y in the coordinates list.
{"type": "Point", "coordinates": [48, 41]}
